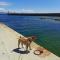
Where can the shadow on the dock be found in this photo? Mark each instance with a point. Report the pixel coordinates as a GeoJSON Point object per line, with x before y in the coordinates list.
{"type": "Point", "coordinates": [19, 51]}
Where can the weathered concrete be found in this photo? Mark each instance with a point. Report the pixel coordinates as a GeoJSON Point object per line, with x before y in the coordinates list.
{"type": "Point", "coordinates": [8, 42]}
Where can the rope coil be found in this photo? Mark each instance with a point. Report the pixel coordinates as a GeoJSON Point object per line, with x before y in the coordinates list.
{"type": "Point", "coordinates": [38, 52]}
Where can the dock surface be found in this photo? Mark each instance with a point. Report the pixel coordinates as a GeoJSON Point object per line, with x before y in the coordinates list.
{"type": "Point", "coordinates": [8, 42]}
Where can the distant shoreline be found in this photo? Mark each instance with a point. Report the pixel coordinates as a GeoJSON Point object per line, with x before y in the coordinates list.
{"type": "Point", "coordinates": [35, 14]}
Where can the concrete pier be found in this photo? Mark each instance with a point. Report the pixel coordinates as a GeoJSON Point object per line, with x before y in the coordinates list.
{"type": "Point", "coordinates": [8, 42]}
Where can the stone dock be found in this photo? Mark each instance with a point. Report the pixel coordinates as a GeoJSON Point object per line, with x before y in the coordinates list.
{"type": "Point", "coordinates": [8, 43]}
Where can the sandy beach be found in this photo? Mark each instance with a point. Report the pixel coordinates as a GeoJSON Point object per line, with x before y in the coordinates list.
{"type": "Point", "coordinates": [8, 42]}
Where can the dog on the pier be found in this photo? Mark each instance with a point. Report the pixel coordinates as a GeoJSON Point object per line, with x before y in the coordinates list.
{"type": "Point", "coordinates": [26, 41]}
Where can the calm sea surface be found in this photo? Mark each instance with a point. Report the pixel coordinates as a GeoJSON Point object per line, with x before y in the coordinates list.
{"type": "Point", "coordinates": [46, 29]}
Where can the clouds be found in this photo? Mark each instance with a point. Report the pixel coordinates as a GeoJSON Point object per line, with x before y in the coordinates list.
{"type": "Point", "coordinates": [4, 3]}
{"type": "Point", "coordinates": [26, 10]}
{"type": "Point", "coordinates": [2, 9]}
{"type": "Point", "coordinates": [39, 11]}
{"type": "Point", "coordinates": [36, 11]}
{"type": "Point", "coordinates": [12, 7]}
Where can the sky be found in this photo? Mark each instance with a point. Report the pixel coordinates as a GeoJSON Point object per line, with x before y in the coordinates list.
{"type": "Point", "coordinates": [33, 6]}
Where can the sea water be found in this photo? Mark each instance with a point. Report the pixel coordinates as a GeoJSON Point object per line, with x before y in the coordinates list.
{"type": "Point", "coordinates": [46, 29]}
